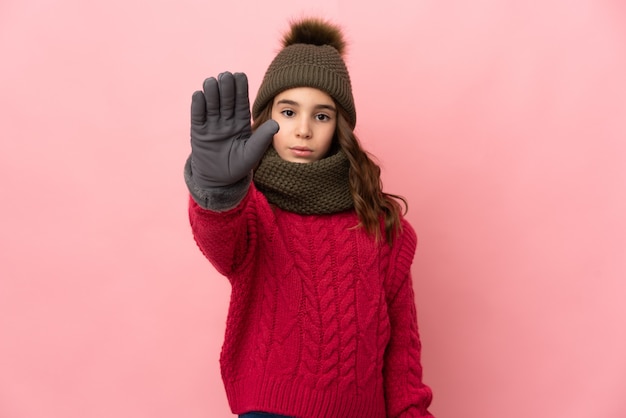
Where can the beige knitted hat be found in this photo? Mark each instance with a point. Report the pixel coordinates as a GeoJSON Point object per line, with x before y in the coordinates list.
{"type": "Point", "coordinates": [312, 56]}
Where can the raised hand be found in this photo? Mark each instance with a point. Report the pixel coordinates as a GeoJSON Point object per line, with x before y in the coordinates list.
{"type": "Point", "coordinates": [223, 148]}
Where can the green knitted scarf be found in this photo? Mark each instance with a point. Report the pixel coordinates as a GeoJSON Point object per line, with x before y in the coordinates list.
{"type": "Point", "coordinates": [316, 188]}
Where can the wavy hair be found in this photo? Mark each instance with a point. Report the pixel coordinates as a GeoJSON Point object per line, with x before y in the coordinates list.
{"type": "Point", "coordinates": [373, 207]}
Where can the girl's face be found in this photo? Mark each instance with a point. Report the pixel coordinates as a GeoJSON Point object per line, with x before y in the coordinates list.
{"type": "Point", "coordinates": [307, 118]}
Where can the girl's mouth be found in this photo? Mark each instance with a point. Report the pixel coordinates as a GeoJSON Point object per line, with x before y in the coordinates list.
{"type": "Point", "coordinates": [301, 151]}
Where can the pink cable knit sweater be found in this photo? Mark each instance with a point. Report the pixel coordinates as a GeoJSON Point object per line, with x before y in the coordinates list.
{"type": "Point", "coordinates": [322, 320]}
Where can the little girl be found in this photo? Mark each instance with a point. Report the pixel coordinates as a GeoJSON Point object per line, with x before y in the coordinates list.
{"type": "Point", "coordinates": [322, 319]}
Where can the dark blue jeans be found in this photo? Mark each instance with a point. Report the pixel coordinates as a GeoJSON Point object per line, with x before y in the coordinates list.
{"type": "Point", "coordinates": [261, 415]}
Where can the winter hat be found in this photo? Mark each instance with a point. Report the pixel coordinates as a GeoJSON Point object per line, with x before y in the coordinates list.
{"type": "Point", "coordinates": [312, 56]}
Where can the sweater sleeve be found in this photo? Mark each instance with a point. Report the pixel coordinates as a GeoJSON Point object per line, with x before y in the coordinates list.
{"type": "Point", "coordinates": [228, 238]}
{"type": "Point", "coordinates": [405, 393]}
{"type": "Point", "coordinates": [224, 238]}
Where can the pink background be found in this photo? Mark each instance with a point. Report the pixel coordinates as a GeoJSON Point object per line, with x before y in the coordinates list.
{"type": "Point", "coordinates": [503, 123]}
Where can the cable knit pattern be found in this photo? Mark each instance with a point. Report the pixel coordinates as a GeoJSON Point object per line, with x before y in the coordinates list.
{"type": "Point", "coordinates": [322, 320]}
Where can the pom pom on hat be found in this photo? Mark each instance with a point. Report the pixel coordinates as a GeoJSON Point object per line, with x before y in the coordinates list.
{"type": "Point", "coordinates": [311, 57]}
{"type": "Point", "coordinates": [316, 32]}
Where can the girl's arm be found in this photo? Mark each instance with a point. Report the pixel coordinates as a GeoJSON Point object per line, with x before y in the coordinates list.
{"type": "Point", "coordinates": [406, 395]}
{"type": "Point", "coordinates": [218, 172]}
{"type": "Point", "coordinates": [226, 238]}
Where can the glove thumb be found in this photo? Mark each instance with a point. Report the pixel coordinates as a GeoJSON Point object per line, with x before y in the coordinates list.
{"type": "Point", "coordinates": [257, 144]}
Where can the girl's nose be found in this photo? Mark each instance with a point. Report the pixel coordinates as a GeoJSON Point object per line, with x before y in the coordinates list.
{"type": "Point", "coordinates": [304, 129]}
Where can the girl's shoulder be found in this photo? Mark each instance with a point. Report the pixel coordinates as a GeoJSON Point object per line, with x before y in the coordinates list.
{"type": "Point", "coordinates": [407, 228]}
{"type": "Point", "coordinates": [406, 237]}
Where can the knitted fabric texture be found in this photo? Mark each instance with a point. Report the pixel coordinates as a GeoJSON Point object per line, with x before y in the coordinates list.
{"type": "Point", "coordinates": [305, 65]}
{"type": "Point", "coordinates": [322, 320]}
{"type": "Point", "coordinates": [319, 187]}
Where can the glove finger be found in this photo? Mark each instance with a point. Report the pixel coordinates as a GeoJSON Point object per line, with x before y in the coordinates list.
{"type": "Point", "coordinates": [242, 101]}
{"type": "Point", "coordinates": [198, 108]}
{"type": "Point", "coordinates": [226, 83]}
{"type": "Point", "coordinates": [211, 96]}
{"type": "Point", "coordinates": [257, 144]}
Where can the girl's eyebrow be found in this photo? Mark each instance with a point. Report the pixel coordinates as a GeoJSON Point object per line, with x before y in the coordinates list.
{"type": "Point", "coordinates": [327, 107]}
{"type": "Point", "coordinates": [296, 104]}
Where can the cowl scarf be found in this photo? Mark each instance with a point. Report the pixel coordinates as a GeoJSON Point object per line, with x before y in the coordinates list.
{"type": "Point", "coordinates": [319, 187]}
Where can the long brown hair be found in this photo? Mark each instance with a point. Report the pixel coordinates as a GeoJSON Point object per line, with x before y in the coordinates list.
{"type": "Point", "coordinates": [371, 204]}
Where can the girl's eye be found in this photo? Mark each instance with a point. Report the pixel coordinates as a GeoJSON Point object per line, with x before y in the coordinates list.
{"type": "Point", "coordinates": [288, 113]}
{"type": "Point", "coordinates": [322, 117]}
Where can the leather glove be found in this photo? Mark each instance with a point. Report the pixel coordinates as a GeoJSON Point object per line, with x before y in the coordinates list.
{"type": "Point", "coordinates": [223, 148]}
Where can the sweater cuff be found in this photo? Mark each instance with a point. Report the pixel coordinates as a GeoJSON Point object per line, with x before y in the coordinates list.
{"type": "Point", "coordinates": [217, 199]}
